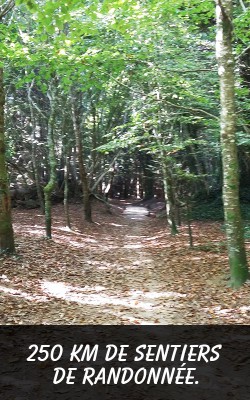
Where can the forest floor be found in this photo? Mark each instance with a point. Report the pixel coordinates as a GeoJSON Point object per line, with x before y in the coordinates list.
{"type": "Point", "coordinates": [125, 268]}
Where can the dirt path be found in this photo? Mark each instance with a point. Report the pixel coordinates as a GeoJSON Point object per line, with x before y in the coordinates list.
{"type": "Point", "coordinates": [151, 304]}
{"type": "Point", "coordinates": [123, 269]}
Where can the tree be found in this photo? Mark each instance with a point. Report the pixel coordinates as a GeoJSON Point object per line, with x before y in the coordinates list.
{"type": "Point", "coordinates": [234, 226]}
{"type": "Point", "coordinates": [52, 159]}
{"type": "Point", "coordinates": [131, 75]}
{"type": "Point", "coordinates": [82, 169]}
{"type": "Point", "coordinates": [6, 230]}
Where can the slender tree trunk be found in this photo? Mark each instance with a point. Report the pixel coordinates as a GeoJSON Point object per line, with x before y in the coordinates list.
{"type": "Point", "coordinates": [99, 180]}
{"type": "Point", "coordinates": [94, 144]}
{"type": "Point", "coordinates": [66, 153]}
{"type": "Point", "coordinates": [6, 230]}
{"type": "Point", "coordinates": [148, 178]}
{"type": "Point", "coordinates": [33, 153]}
{"type": "Point", "coordinates": [66, 188]}
{"type": "Point", "coordinates": [73, 171]}
{"type": "Point", "coordinates": [52, 164]}
{"type": "Point", "coordinates": [234, 226]}
{"type": "Point", "coordinates": [137, 180]}
{"type": "Point", "coordinates": [168, 194]}
{"type": "Point", "coordinates": [110, 183]}
{"type": "Point", "coordinates": [190, 233]}
{"type": "Point", "coordinates": [82, 169]}
{"type": "Point", "coordinates": [167, 184]}
{"type": "Point", "coordinates": [7, 244]}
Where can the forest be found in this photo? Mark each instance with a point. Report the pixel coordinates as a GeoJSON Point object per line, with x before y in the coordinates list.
{"type": "Point", "coordinates": [124, 161]}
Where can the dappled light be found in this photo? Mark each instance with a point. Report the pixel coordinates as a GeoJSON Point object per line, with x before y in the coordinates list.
{"type": "Point", "coordinates": [19, 293]}
{"type": "Point", "coordinates": [133, 246]}
{"type": "Point", "coordinates": [98, 299]}
{"type": "Point", "coordinates": [112, 224]}
{"type": "Point", "coordinates": [124, 164]}
{"type": "Point", "coordinates": [118, 271]}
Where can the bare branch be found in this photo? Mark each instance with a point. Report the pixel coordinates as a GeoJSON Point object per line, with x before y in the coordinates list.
{"type": "Point", "coordinates": [6, 7]}
{"type": "Point", "coordinates": [190, 71]}
{"type": "Point", "coordinates": [243, 6]}
{"type": "Point", "coordinates": [31, 100]}
{"type": "Point", "coordinates": [195, 110]}
{"type": "Point", "coordinates": [243, 52]}
{"type": "Point", "coordinates": [104, 173]}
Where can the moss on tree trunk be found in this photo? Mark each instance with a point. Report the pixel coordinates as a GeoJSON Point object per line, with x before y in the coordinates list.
{"type": "Point", "coordinates": [52, 164]}
{"type": "Point", "coordinates": [6, 230]}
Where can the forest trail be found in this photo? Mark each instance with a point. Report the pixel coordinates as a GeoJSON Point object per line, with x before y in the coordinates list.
{"type": "Point", "coordinates": [151, 304]}
{"type": "Point", "coordinates": [125, 268]}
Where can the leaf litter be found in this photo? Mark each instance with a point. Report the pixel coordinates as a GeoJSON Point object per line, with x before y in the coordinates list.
{"type": "Point", "coordinates": [125, 268]}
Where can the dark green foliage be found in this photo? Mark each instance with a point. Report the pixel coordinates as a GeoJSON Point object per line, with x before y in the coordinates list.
{"type": "Point", "coordinates": [212, 211]}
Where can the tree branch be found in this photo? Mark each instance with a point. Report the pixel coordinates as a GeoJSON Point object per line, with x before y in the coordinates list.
{"type": "Point", "coordinates": [223, 11]}
{"type": "Point", "coordinates": [190, 71]}
{"type": "Point", "coordinates": [104, 173]}
{"type": "Point", "coordinates": [243, 6]}
{"type": "Point", "coordinates": [243, 52]}
{"type": "Point", "coordinates": [195, 110]}
{"type": "Point", "coordinates": [6, 7]}
{"type": "Point", "coordinates": [31, 100]}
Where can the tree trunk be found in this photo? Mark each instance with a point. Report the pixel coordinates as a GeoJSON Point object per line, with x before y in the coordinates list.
{"type": "Point", "coordinates": [33, 152]}
{"type": "Point", "coordinates": [73, 171]}
{"type": "Point", "coordinates": [148, 178]}
{"type": "Point", "coordinates": [233, 221]}
{"type": "Point", "coordinates": [82, 169]}
{"type": "Point", "coordinates": [6, 230]}
{"type": "Point", "coordinates": [52, 163]}
{"type": "Point", "coordinates": [66, 184]}
{"type": "Point", "coordinates": [94, 144]}
{"type": "Point", "coordinates": [168, 194]}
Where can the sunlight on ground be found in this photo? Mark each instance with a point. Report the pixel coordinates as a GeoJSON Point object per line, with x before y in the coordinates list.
{"type": "Point", "coordinates": [154, 295]}
{"type": "Point", "coordinates": [35, 231]}
{"type": "Point", "coordinates": [136, 210]}
{"type": "Point", "coordinates": [81, 242]}
{"type": "Point", "coordinates": [133, 246]}
{"type": "Point", "coordinates": [89, 240]}
{"type": "Point", "coordinates": [19, 293]}
{"type": "Point", "coordinates": [69, 241]}
{"type": "Point", "coordinates": [95, 295]}
{"type": "Point", "coordinates": [227, 313]}
{"type": "Point", "coordinates": [150, 306]}
{"type": "Point", "coordinates": [70, 293]}
{"type": "Point", "coordinates": [135, 237]}
{"type": "Point", "coordinates": [99, 265]}
{"type": "Point", "coordinates": [135, 213]}
{"type": "Point", "coordinates": [145, 261]}
{"type": "Point", "coordinates": [124, 256]}
{"type": "Point", "coordinates": [113, 224]}
{"type": "Point", "coordinates": [65, 229]}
